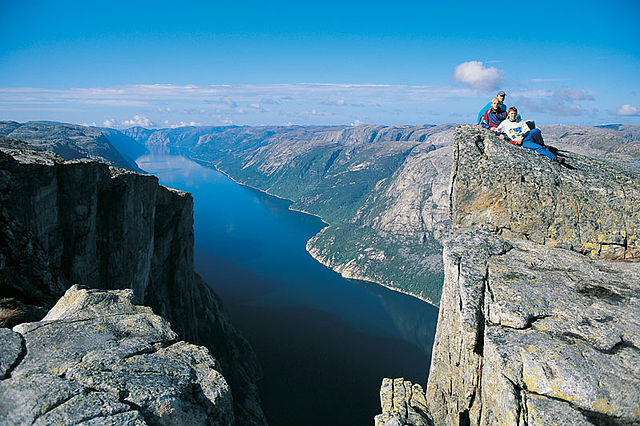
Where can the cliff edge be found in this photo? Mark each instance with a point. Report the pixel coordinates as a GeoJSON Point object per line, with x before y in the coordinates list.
{"type": "Point", "coordinates": [81, 221]}
{"type": "Point", "coordinates": [540, 311]}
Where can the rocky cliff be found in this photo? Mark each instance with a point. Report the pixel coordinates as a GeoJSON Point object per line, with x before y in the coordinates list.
{"type": "Point", "coordinates": [539, 317]}
{"type": "Point", "coordinates": [97, 358]}
{"type": "Point", "coordinates": [67, 222]}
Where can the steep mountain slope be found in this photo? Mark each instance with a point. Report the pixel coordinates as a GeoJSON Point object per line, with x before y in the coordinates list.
{"type": "Point", "coordinates": [345, 175]}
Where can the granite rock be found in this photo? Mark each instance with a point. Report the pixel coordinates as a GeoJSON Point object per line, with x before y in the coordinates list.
{"type": "Point", "coordinates": [503, 187]}
{"type": "Point", "coordinates": [403, 403]}
{"type": "Point", "coordinates": [531, 331]}
{"type": "Point", "coordinates": [115, 363]}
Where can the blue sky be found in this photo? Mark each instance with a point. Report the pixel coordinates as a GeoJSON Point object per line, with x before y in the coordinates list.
{"type": "Point", "coordinates": [213, 63]}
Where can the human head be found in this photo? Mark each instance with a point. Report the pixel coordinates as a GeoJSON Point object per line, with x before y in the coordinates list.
{"type": "Point", "coordinates": [512, 112]}
{"type": "Point", "coordinates": [501, 95]}
{"type": "Point", "coordinates": [494, 104]}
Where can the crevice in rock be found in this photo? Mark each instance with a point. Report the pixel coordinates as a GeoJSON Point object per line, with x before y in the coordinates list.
{"type": "Point", "coordinates": [134, 407]}
{"type": "Point", "coordinates": [23, 353]}
{"type": "Point", "coordinates": [463, 418]}
{"type": "Point", "coordinates": [520, 395]}
{"type": "Point", "coordinates": [58, 404]}
{"type": "Point", "coordinates": [479, 144]}
{"type": "Point", "coordinates": [594, 417]}
{"type": "Point", "coordinates": [622, 344]}
{"type": "Point", "coordinates": [533, 319]}
{"type": "Point", "coordinates": [479, 346]}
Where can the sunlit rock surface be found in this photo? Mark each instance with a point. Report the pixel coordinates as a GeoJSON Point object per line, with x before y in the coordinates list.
{"type": "Point", "coordinates": [98, 358]}
{"type": "Point", "coordinates": [529, 332]}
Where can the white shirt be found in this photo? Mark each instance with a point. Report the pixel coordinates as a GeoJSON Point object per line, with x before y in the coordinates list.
{"type": "Point", "coordinates": [513, 129]}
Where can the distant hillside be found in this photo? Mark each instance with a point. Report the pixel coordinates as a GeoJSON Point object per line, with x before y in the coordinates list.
{"type": "Point", "coordinates": [69, 141]}
{"type": "Point", "coordinates": [384, 190]}
{"type": "Point", "coordinates": [130, 148]}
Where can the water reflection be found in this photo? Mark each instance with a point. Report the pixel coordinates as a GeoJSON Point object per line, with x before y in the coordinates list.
{"type": "Point", "coordinates": [324, 342]}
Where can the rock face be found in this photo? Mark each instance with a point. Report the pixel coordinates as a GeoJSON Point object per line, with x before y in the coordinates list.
{"type": "Point", "coordinates": [403, 403]}
{"type": "Point", "coordinates": [66, 222]}
{"type": "Point", "coordinates": [499, 187]}
{"type": "Point", "coordinates": [97, 358]}
{"type": "Point", "coordinates": [537, 324]}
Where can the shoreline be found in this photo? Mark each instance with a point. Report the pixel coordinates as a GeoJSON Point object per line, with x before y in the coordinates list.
{"type": "Point", "coordinates": [363, 278]}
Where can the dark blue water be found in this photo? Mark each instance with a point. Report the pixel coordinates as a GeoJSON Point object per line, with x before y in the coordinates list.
{"type": "Point", "coordinates": [324, 342]}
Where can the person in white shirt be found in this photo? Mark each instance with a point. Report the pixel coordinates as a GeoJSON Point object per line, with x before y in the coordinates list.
{"type": "Point", "coordinates": [519, 133]}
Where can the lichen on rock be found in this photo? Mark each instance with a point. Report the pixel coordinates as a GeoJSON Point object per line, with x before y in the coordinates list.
{"type": "Point", "coordinates": [115, 363]}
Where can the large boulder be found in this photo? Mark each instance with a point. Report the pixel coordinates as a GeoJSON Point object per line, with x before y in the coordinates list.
{"type": "Point", "coordinates": [99, 358]}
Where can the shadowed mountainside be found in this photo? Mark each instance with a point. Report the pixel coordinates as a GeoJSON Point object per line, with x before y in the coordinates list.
{"type": "Point", "coordinates": [81, 221]}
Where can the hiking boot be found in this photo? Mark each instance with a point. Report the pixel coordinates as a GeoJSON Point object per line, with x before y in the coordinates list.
{"type": "Point", "coordinates": [559, 160]}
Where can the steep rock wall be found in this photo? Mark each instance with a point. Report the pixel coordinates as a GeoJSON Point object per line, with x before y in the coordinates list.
{"type": "Point", "coordinates": [529, 332]}
{"type": "Point", "coordinates": [67, 222]}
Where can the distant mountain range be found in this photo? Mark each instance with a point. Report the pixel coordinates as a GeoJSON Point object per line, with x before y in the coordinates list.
{"type": "Point", "coordinates": [73, 142]}
{"type": "Point", "coordinates": [383, 190]}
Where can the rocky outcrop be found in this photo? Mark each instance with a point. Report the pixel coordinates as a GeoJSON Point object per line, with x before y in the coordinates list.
{"type": "Point", "coordinates": [67, 222]}
{"type": "Point", "coordinates": [537, 325]}
{"type": "Point", "coordinates": [504, 188]}
{"type": "Point", "coordinates": [403, 403]}
{"type": "Point", "coordinates": [69, 141]}
{"type": "Point", "coordinates": [97, 358]}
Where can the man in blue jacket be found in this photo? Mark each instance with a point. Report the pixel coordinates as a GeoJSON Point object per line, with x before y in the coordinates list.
{"type": "Point", "coordinates": [502, 107]}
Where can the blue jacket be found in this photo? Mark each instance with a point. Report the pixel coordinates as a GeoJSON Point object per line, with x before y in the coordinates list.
{"type": "Point", "coordinates": [491, 119]}
{"type": "Point", "coordinates": [487, 107]}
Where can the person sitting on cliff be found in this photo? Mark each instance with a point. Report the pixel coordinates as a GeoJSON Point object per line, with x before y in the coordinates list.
{"type": "Point", "coordinates": [493, 116]}
{"type": "Point", "coordinates": [503, 108]}
{"type": "Point", "coordinates": [519, 133]}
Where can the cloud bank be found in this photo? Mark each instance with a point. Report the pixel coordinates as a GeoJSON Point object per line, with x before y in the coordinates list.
{"type": "Point", "coordinates": [627, 109]}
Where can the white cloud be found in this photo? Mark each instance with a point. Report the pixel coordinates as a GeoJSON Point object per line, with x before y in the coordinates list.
{"type": "Point", "coordinates": [627, 109]}
{"type": "Point", "coordinates": [477, 76]}
{"type": "Point", "coordinates": [254, 106]}
{"type": "Point", "coordinates": [109, 123]}
{"type": "Point", "coordinates": [138, 120]}
{"type": "Point", "coordinates": [184, 124]}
